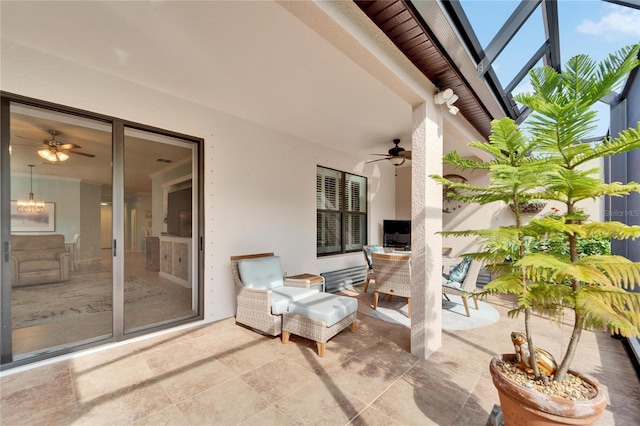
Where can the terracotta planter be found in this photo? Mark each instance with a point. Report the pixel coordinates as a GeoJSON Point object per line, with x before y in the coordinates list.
{"type": "Point", "coordinates": [522, 406]}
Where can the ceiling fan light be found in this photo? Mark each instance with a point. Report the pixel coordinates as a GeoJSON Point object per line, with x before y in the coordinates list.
{"type": "Point", "coordinates": [62, 156]}
{"type": "Point", "coordinates": [44, 153]}
{"type": "Point", "coordinates": [397, 160]}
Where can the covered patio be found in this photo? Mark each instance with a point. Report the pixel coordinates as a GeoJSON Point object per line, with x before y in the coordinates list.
{"type": "Point", "coordinates": [222, 373]}
{"type": "Point", "coordinates": [275, 89]}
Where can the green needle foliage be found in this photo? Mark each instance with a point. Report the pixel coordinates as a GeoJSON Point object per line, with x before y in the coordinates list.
{"type": "Point", "coordinates": [547, 163]}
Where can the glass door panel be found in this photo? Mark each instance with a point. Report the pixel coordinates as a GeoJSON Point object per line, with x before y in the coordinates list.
{"type": "Point", "coordinates": [61, 264]}
{"type": "Point", "coordinates": [160, 284]}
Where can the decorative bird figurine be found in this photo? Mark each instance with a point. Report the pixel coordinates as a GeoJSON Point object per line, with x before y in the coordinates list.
{"type": "Point", "coordinates": [546, 364]}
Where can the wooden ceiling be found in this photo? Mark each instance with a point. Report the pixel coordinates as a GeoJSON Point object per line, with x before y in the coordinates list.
{"type": "Point", "coordinates": [403, 25]}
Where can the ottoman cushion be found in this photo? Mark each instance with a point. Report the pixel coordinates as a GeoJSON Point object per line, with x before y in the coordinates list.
{"type": "Point", "coordinates": [281, 297]}
{"type": "Point", "coordinates": [325, 307]}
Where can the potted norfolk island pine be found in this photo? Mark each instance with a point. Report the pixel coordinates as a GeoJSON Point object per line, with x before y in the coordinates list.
{"type": "Point", "coordinates": [549, 163]}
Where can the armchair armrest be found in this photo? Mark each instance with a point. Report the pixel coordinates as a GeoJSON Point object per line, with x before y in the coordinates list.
{"type": "Point", "coordinates": [255, 298]}
{"type": "Point", "coordinates": [63, 255]}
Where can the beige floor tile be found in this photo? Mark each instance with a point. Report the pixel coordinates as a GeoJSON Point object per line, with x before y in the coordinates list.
{"type": "Point", "coordinates": [124, 406]}
{"type": "Point", "coordinates": [270, 416]}
{"type": "Point", "coordinates": [169, 416]}
{"type": "Point", "coordinates": [409, 405]}
{"type": "Point", "coordinates": [277, 379]}
{"type": "Point", "coordinates": [161, 342]}
{"type": "Point", "coordinates": [58, 373]}
{"type": "Point", "coordinates": [307, 356]}
{"type": "Point", "coordinates": [365, 381]}
{"type": "Point", "coordinates": [227, 340]}
{"type": "Point", "coordinates": [373, 417]}
{"type": "Point", "coordinates": [248, 357]}
{"type": "Point", "coordinates": [294, 344]}
{"type": "Point", "coordinates": [191, 379]}
{"type": "Point", "coordinates": [229, 403]}
{"type": "Point", "coordinates": [102, 380]}
{"type": "Point", "coordinates": [427, 373]}
{"type": "Point", "coordinates": [84, 363]}
{"type": "Point", "coordinates": [51, 398]}
{"type": "Point", "coordinates": [172, 357]}
{"type": "Point", "coordinates": [223, 373]}
{"type": "Point", "coordinates": [321, 402]}
{"type": "Point", "coordinates": [397, 359]}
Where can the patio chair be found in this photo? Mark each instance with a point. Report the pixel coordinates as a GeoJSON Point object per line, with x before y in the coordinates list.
{"type": "Point", "coordinates": [468, 285]}
{"type": "Point", "coordinates": [367, 250]}
{"type": "Point", "coordinates": [262, 294]}
{"type": "Point", "coordinates": [392, 276]}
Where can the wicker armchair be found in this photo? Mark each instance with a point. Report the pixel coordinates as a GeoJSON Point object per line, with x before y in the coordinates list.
{"type": "Point", "coordinates": [367, 250]}
{"type": "Point", "coordinates": [254, 305]}
{"type": "Point", "coordinates": [392, 276]}
{"type": "Point", "coordinates": [467, 286]}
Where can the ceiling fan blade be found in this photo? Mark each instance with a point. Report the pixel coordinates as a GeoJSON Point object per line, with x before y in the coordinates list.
{"type": "Point", "coordinates": [373, 161]}
{"type": "Point", "coordinates": [384, 155]}
{"type": "Point", "coordinates": [25, 138]}
{"type": "Point", "coordinates": [406, 154]}
{"type": "Point", "coordinates": [68, 146]}
{"type": "Point", "coordinates": [70, 151]}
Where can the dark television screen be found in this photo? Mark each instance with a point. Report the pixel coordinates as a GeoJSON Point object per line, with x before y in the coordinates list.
{"type": "Point", "coordinates": [179, 213]}
{"type": "Point", "coordinates": [397, 233]}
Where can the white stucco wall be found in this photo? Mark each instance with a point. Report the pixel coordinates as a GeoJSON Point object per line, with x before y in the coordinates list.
{"type": "Point", "coordinates": [259, 184]}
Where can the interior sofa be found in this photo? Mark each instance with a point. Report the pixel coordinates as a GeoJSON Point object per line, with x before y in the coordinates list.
{"type": "Point", "coordinates": [39, 259]}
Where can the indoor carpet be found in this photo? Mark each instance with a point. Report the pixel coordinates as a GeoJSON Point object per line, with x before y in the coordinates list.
{"type": "Point", "coordinates": [453, 314]}
{"type": "Point", "coordinates": [49, 303]}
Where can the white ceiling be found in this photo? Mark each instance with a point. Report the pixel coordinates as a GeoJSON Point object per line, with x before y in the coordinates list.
{"type": "Point", "coordinates": [252, 59]}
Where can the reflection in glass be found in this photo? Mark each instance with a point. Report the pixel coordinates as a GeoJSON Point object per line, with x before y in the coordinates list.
{"type": "Point", "coordinates": [61, 268]}
{"type": "Point", "coordinates": [159, 283]}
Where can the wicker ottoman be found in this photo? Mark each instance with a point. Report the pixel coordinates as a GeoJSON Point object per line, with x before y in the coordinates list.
{"type": "Point", "coordinates": [319, 317]}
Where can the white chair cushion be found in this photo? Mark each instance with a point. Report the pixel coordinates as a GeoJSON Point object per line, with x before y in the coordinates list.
{"type": "Point", "coordinates": [262, 272]}
{"type": "Point", "coordinates": [281, 297]}
{"type": "Point", "coordinates": [452, 284]}
{"type": "Point", "coordinates": [325, 307]}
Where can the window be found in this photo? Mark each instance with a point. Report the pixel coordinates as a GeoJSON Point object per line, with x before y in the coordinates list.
{"type": "Point", "coordinates": [341, 221]}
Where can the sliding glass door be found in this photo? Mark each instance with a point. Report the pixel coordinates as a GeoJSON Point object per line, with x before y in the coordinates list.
{"type": "Point", "coordinates": [61, 273]}
{"type": "Point", "coordinates": [100, 230]}
{"type": "Point", "coordinates": [160, 195]}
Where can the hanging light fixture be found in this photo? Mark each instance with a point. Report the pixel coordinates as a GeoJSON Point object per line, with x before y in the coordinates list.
{"type": "Point", "coordinates": [30, 205]}
{"type": "Point", "coordinates": [52, 154]}
{"type": "Point", "coordinates": [447, 97]}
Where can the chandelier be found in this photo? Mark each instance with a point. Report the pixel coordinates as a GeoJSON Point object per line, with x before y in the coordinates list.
{"type": "Point", "coordinates": [30, 205]}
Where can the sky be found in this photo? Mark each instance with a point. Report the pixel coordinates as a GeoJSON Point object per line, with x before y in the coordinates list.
{"type": "Point", "coordinates": [594, 27]}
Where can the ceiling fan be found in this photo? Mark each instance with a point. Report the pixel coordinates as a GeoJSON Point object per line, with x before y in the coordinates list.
{"type": "Point", "coordinates": [396, 155]}
{"type": "Point", "coordinates": [53, 150]}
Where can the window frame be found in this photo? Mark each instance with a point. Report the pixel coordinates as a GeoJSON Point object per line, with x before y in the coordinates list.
{"type": "Point", "coordinates": [343, 212]}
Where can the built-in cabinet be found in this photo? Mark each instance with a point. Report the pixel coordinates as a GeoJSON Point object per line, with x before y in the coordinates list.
{"type": "Point", "coordinates": [152, 253]}
{"type": "Point", "coordinates": [175, 259]}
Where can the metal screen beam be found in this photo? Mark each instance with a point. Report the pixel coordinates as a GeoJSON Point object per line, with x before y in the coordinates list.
{"type": "Point", "coordinates": [506, 33]}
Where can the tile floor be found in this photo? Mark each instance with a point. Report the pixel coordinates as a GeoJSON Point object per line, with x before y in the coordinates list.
{"type": "Point", "coordinates": [222, 373]}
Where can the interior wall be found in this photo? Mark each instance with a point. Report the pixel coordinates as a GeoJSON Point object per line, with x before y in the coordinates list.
{"type": "Point", "coordinates": [255, 200]}
{"type": "Point", "coordinates": [89, 207]}
{"type": "Point", "coordinates": [403, 193]}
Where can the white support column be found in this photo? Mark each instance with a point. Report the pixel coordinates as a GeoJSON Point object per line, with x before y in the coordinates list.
{"type": "Point", "coordinates": [426, 220]}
